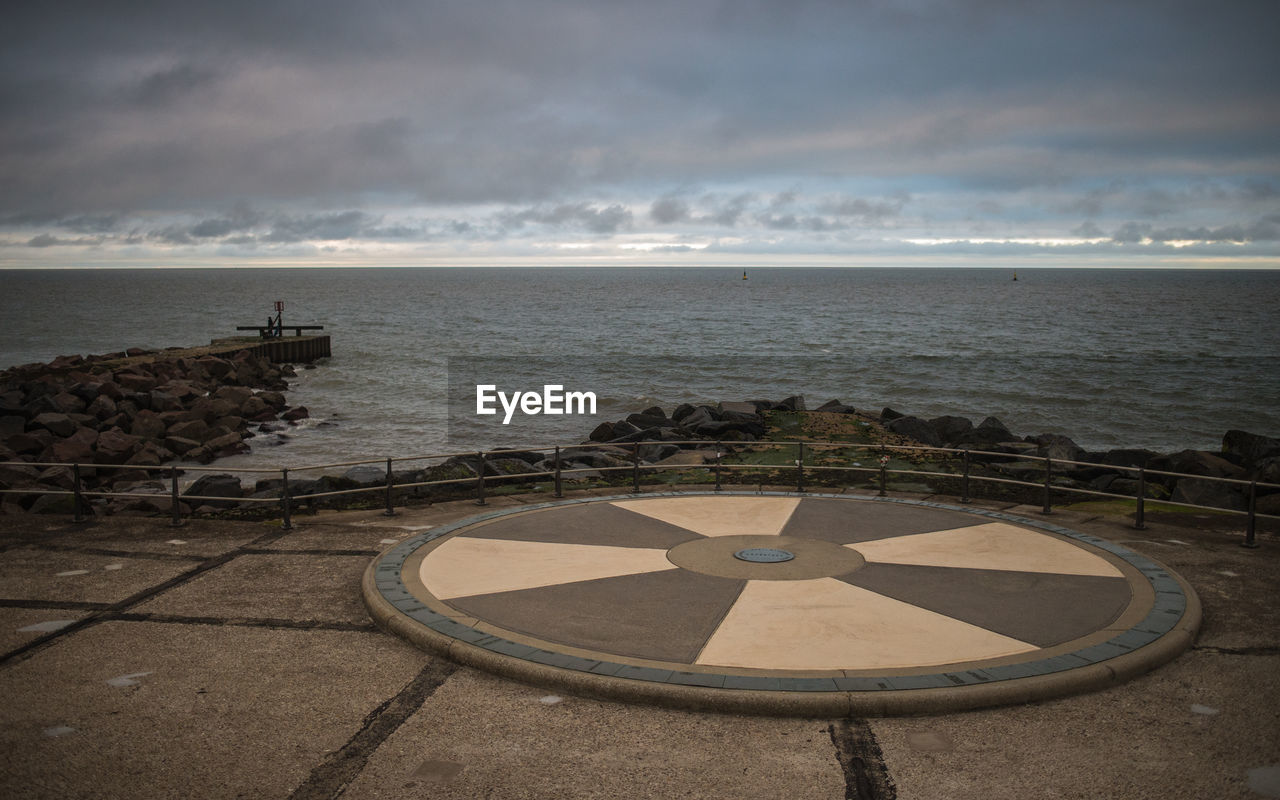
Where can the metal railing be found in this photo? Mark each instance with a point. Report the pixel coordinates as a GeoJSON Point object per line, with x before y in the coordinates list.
{"type": "Point", "coordinates": [962, 459]}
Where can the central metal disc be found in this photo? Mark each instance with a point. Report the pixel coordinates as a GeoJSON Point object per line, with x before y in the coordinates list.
{"type": "Point", "coordinates": [764, 555]}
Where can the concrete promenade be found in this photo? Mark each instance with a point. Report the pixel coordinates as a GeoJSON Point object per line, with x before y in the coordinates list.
{"type": "Point", "coordinates": [235, 659]}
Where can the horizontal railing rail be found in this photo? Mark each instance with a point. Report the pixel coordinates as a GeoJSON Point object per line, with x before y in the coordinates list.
{"type": "Point", "coordinates": [561, 458]}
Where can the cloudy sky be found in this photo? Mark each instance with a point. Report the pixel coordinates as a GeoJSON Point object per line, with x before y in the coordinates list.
{"type": "Point", "coordinates": [877, 132]}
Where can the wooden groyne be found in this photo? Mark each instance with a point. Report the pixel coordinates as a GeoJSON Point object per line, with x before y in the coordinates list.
{"type": "Point", "coordinates": [278, 351]}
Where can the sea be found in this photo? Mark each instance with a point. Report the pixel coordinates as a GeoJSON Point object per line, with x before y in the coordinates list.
{"type": "Point", "coordinates": [1160, 359]}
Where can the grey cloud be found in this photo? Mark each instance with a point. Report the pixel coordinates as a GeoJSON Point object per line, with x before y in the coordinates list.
{"type": "Point", "coordinates": [1265, 229]}
{"type": "Point", "coordinates": [117, 113]}
{"type": "Point", "coordinates": [865, 210]}
{"type": "Point", "coordinates": [570, 215]}
{"type": "Point", "coordinates": [343, 225]}
{"type": "Point", "coordinates": [731, 211]}
{"type": "Point", "coordinates": [668, 210]}
{"type": "Point", "coordinates": [169, 86]}
{"type": "Point", "coordinates": [47, 240]}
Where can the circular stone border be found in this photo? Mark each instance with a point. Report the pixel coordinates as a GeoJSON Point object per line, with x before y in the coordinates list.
{"type": "Point", "coordinates": [1168, 629]}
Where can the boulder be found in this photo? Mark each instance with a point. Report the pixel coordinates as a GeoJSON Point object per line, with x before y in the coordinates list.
{"type": "Point", "coordinates": [134, 382]}
{"type": "Point", "coordinates": [12, 424]}
{"type": "Point", "coordinates": [1201, 492]}
{"type": "Point", "coordinates": [59, 424]}
{"type": "Point", "coordinates": [295, 414]}
{"type": "Point", "coordinates": [835, 407]}
{"type": "Point", "coordinates": [196, 430]}
{"type": "Point", "coordinates": [59, 477]}
{"type": "Point", "coordinates": [646, 421]}
{"type": "Point", "coordinates": [231, 423]}
{"type": "Point", "coordinates": [227, 445]}
{"type": "Point", "coordinates": [1268, 470]}
{"type": "Point", "coordinates": [597, 459]}
{"type": "Point", "coordinates": [67, 403]}
{"type": "Point", "coordinates": [657, 452]}
{"type": "Point", "coordinates": [235, 395]}
{"type": "Point", "coordinates": [683, 410]}
{"type": "Point", "coordinates": [916, 429]}
{"type": "Point", "coordinates": [180, 445]}
{"type": "Point", "coordinates": [1125, 457]}
{"type": "Point", "coordinates": [602, 432]}
{"type": "Point", "coordinates": [366, 474]}
{"type": "Point", "coordinates": [888, 414]}
{"type": "Point", "coordinates": [622, 429]}
{"type": "Point", "coordinates": [654, 411]}
{"type": "Point", "coordinates": [115, 446]}
{"type": "Point", "coordinates": [989, 432]}
{"type": "Point", "coordinates": [148, 425]}
{"type": "Point", "coordinates": [149, 455]}
{"type": "Point", "coordinates": [723, 428]}
{"type": "Point", "coordinates": [18, 475]}
{"type": "Point", "coordinates": [1250, 447]}
{"type": "Point", "coordinates": [60, 504]}
{"type": "Point", "coordinates": [1268, 505]}
{"type": "Point", "coordinates": [102, 407]}
{"type": "Point", "coordinates": [1056, 446]}
{"type": "Point", "coordinates": [215, 367]}
{"type": "Point", "coordinates": [698, 416]}
{"type": "Point", "coordinates": [12, 402]}
{"type": "Point", "coordinates": [950, 429]}
{"type": "Point", "coordinates": [793, 403]}
{"type": "Point", "coordinates": [163, 401]}
{"type": "Point", "coordinates": [254, 406]}
{"type": "Point", "coordinates": [273, 399]}
{"type": "Point", "coordinates": [1197, 462]}
{"type": "Point", "coordinates": [32, 442]}
{"type": "Point", "coordinates": [216, 486]}
{"type": "Point", "coordinates": [506, 466]}
{"type": "Point", "coordinates": [77, 448]}
{"type": "Point", "coordinates": [109, 388]}
{"type": "Point", "coordinates": [740, 408]}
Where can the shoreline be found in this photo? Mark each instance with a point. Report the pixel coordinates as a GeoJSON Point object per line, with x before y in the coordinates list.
{"type": "Point", "coordinates": [132, 417]}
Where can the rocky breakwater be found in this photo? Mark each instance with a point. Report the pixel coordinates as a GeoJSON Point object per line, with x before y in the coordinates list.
{"type": "Point", "coordinates": [1244, 456]}
{"type": "Point", "coordinates": [130, 409]}
{"type": "Point", "coordinates": [649, 436]}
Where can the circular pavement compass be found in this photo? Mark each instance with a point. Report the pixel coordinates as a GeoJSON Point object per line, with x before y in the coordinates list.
{"type": "Point", "coordinates": [784, 603]}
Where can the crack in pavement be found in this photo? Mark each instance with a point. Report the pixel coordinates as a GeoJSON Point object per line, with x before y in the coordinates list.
{"type": "Point", "coordinates": [865, 775]}
{"type": "Point", "coordinates": [330, 778]}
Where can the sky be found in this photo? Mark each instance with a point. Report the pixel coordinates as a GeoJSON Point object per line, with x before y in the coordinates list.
{"type": "Point", "coordinates": [861, 132]}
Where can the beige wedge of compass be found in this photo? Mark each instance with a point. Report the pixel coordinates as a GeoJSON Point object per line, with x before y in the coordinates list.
{"type": "Point", "coordinates": [860, 585]}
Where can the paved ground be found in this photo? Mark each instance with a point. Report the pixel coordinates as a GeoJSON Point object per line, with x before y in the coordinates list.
{"type": "Point", "coordinates": [232, 659]}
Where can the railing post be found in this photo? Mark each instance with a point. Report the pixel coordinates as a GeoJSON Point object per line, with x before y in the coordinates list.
{"type": "Point", "coordinates": [390, 512]}
{"type": "Point", "coordinates": [559, 486]}
{"type": "Point", "coordinates": [287, 524]}
{"type": "Point", "coordinates": [1048, 473]}
{"type": "Point", "coordinates": [176, 521]}
{"type": "Point", "coordinates": [964, 480]}
{"type": "Point", "coordinates": [480, 501]}
{"type": "Point", "coordinates": [78, 499]}
{"type": "Point", "coordinates": [1249, 535]}
{"type": "Point", "coordinates": [635, 468]}
{"type": "Point", "coordinates": [1139, 517]}
{"type": "Point", "coordinates": [717, 470]}
{"type": "Point", "coordinates": [800, 467]}
{"type": "Point", "coordinates": [884, 463]}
